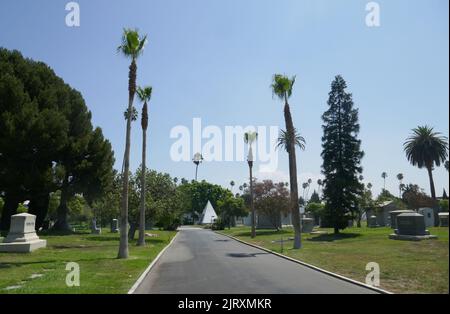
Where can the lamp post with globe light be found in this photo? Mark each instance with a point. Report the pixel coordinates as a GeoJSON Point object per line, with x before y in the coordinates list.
{"type": "Point", "coordinates": [198, 158]}
{"type": "Point", "coordinates": [249, 138]}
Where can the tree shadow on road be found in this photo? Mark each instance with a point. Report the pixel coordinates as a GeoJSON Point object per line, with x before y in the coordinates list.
{"type": "Point", "coordinates": [245, 254]}
{"type": "Point", "coordinates": [263, 232]}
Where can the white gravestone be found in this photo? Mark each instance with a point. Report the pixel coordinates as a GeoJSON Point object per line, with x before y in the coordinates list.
{"type": "Point", "coordinates": [22, 235]}
{"type": "Point", "coordinates": [115, 226]}
{"type": "Point", "coordinates": [95, 229]}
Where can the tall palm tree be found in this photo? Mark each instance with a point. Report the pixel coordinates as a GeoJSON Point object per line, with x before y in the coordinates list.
{"type": "Point", "coordinates": [282, 87]}
{"type": "Point", "coordinates": [232, 184]}
{"type": "Point", "coordinates": [304, 186]}
{"type": "Point", "coordinates": [369, 186]}
{"type": "Point", "coordinates": [131, 47]}
{"type": "Point", "coordinates": [309, 187]}
{"type": "Point", "coordinates": [426, 148]}
{"type": "Point", "coordinates": [144, 95]}
{"type": "Point", "coordinates": [400, 184]}
{"type": "Point", "coordinates": [249, 138]}
{"type": "Point", "coordinates": [384, 175]}
{"type": "Point", "coordinates": [198, 158]}
{"type": "Point", "coordinates": [319, 184]}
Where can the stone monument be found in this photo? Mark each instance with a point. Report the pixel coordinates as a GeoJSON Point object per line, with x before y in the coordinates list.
{"type": "Point", "coordinates": [428, 214]}
{"type": "Point", "coordinates": [22, 235]}
{"type": "Point", "coordinates": [411, 226]}
{"type": "Point", "coordinates": [443, 219]}
{"type": "Point", "coordinates": [307, 225]}
{"type": "Point", "coordinates": [372, 222]}
{"type": "Point", "coordinates": [114, 226]}
{"type": "Point", "coordinates": [95, 229]}
{"type": "Point", "coordinates": [394, 215]}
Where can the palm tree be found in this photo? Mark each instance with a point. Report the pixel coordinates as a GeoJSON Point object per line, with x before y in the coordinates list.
{"type": "Point", "coordinates": [400, 184]}
{"type": "Point", "coordinates": [384, 176]}
{"type": "Point", "coordinates": [446, 165]}
{"type": "Point", "coordinates": [144, 95]}
{"type": "Point", "coordinates": [198, 158]}
{"type": "Point", "coordinates": [426, 148]}
{"type": "Point", "coordinates": [304, 186]}
{"type": "Point", "coordinates": [369, 186]}
{"type": "Point", "coordinates": [232, 184]}
{"type": "Point", "coordinates": [319, 184]}
{"type": "Point", "coordinates": [402, 187]}
{"type": "Point", "coordinates": [309, 186]}
{"type": "Point", "coordinates": [249, 138]}
{"type": "Point", "coordinates": [131, 47]}
{"type": "Point", "coordinates": [282, 87]}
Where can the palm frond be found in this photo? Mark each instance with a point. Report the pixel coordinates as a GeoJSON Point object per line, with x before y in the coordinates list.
{"type": "Point", "coordinates": [250, 137]}
{"type": "Point", "coordinates": [284, 140]}
{"type": "Point", "coordinates": [426, 148]}
{"type": "Point", "coordinates": [132, 45]}
{"type": "Point", "coordinates": [144, 93]}
{"type": "Point", "coordinates": [282, 86]}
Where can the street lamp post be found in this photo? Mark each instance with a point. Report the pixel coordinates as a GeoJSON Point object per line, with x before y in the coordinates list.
{"type": "Point", "coordinates": [249, 138]}
{"type": "Point", "coordinates": [198, 158]}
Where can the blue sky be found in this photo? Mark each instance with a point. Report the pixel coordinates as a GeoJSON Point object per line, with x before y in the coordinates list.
{"type": "Point", "coordinates": [214, 59]}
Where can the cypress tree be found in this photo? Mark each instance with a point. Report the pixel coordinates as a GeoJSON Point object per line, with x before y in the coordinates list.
{"type": "Point", "coordinates": [341, 157]}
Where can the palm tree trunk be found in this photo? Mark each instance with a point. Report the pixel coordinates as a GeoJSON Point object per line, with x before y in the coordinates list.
{"type": "Point", "coordinates": [430, 176]}
{"type": "Point", "coordinates": [196, 171]}
{"type": "Point", "coordinates": [123, 246]}
{"type": "Point", "coordinates": [296, 219]}
{"type": "Point", "coordinates": [141, 241]}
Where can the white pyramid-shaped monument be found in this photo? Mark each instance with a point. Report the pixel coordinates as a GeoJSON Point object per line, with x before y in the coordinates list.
{"type": "Point", "coordinates": [208, 215]}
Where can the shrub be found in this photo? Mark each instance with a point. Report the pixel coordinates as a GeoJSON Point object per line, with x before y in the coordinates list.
{"type": "Point", "coordinates": [219, 224]}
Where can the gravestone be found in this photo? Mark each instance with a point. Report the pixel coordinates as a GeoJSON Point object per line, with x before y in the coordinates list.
{"type": "Point", "coordinates": [428, 214]}
{"type": "Point", "coordinates": [443, 219]}
{"type": "Point", "coordinates": [95, 229]}
{"type": "Point", "coordinates": [372, 222]}
{"type": "Point", "coordinates": [22, 237]}
{"type": "Point", "coordinates": [393, 214]}
{"type": "Point", "coordinates": [114, 226]}
{"type": "Point", "coordinates": [411, 226]}
{"type": "Point", "coordinates": [307, 225]}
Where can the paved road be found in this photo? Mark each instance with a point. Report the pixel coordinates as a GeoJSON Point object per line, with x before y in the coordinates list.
{"type": "Point", "coordinates": [201, 261]}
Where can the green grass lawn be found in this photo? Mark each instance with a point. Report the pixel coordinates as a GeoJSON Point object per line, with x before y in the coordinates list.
{"type": "Point", "coordinates": [405, 266]}
{"type": "Point", "coordinates": [100, 270]}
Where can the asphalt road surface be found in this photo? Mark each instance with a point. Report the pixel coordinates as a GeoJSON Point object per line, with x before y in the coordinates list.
{"type": "Point", "coordinates": [203, 262]}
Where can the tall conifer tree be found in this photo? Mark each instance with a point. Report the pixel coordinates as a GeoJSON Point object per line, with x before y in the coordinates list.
{"type": "Point", "coordinates": [341, 157]}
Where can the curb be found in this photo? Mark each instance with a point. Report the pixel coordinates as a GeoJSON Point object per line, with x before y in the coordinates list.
{"type": "Point", "coordinates": [147, 270]}
{"type": "Point", "coordinates": [382, 291]}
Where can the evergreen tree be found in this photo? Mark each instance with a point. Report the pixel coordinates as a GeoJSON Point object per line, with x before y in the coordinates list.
{"type": "Point", "coordinates": [341, 157]}
{"type": "Point", "coordinates": [47, 142]}
{"type": "Point", "coordinates": [314, 197]}
{"type": "Point", "coordinates": [32, 132]}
